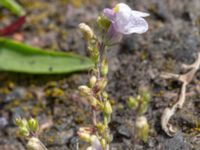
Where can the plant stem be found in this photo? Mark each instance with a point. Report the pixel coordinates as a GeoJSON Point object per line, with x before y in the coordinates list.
{"type": "Point", "coordinates": [99, 66]}
{"type": "Point", "coordinates": [94, 116]}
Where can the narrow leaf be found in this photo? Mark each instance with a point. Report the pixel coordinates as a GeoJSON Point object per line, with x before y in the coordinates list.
{"type": "Point", "coordinates": [17, 57]}
{"type": "Point", "coordinates": [13, 6]}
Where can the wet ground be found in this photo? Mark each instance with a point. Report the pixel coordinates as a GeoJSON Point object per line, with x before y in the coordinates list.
{"type": "Point", "coordinates": [173, 39]}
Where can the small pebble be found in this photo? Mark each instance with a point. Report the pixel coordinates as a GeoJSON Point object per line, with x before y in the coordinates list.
{"type": "Point", "coordinates": [3, 122]}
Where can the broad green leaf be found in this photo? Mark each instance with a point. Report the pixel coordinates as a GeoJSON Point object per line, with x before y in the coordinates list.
{"type": "Point", "coordinates": [17, 57]}
{"type": "Point", "coordinates": [13, 6]}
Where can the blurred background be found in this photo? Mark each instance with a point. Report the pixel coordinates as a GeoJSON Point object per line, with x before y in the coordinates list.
{"type": "Point", "coordinates": [173, 39]}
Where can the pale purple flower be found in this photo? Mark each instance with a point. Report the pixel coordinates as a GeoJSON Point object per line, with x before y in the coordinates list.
{"type": "Point", "coordinates": [124, 20]}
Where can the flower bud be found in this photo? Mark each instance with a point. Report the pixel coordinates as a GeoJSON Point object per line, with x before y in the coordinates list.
{"type": "Point", "coordinates": [93, 101]}
{"type": "Point", "coordinates": [33, 125]}
{"type": "Point", "coordinates": [138, 97]}
{"type": "Point", "coordinates": [101, 127]}
{"type": "Point", "coordinates": [87, 32]}
{"type": "Point", "coordinates": [23, 131]}
{"type": "Point", "coordinates": [93, 81]}
{"type": "Point", "coordinates": [143, 99]}
{"type": "Point", "coordinates": [108, 108]}
{"type": "Point", "coordinates": [35, 144]}
{"type": "Point", "coordinates": [18, 121]}
{"type": "Point", "coordinates": [109, 137]}
{"type": "Point", "coordinates": [143, 107]}
{"type": "Point", "coordinates": [84, 90]}
{"type": "Point", "coordinates": [105, 95]}
{"type": "Point", "coordinates": [132, 102]}
{"type": "Point", "coordinates": [142, 128]}
{"type": "Point", "coordinates": [145, 95]}
{"type": "Point", "coordinates": [85, 137]}
{"type": "Point", "coordinates": [24, 122]}
{"type": "Point", "coordinates": [104, 68]}
{"type": "Point", "coordinates": [85, 134]}
{"type": "Point", "coordinates": [103, 23]}
{"type": "Point", "coordinates": [102, 84]}
{"type": "Point", "coordinates": [103, 143]}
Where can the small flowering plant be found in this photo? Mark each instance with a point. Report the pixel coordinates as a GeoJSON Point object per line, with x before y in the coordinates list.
{"type": "Point", "coordinates": [112, 24]}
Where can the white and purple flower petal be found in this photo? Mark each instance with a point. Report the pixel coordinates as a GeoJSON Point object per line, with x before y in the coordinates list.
{"type": "Point", "coordinates": [135, 25]}
{"type": "Point", "coordinates": [109, 13]}
{"type": "Point", "coordinates": [139, 14]}
{"type": "Point", "coordinates": [124, 20]}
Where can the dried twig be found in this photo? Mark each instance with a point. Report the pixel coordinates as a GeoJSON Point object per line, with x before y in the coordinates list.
{"type": "Point", "coordinates": [185, 79]}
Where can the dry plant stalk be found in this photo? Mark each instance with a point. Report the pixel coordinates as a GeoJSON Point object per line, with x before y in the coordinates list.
{"type": "Point", "coordinates": [185, 79]}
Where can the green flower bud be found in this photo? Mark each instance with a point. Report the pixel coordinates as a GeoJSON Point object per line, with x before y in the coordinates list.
{"type": "Point", "coordinates": [144, 102]}
{"type": "Point", "coordinates": [103, 143]}
{"type": "Point", "coordinates": [145, 96]}
{"type": "Point", "coordinates": [108, 137]}
{"type": "Point", "coordinates": [85, 137]}
{"type": "Point", "coordinates": [84, 134]}
{"type": "Point", "coordinates": [103, 23]}
{"type": "Point", "coordinates": [85, 90]}
{"type": "Point", "coordinates": [143, 107]}
{"type": "Point", "coordinates": [138, 97]}
{"type": "Point", "coordinates": [108, 108]}
{"type": "Point", "coordinates": [24, 122]}
{"type": "Point", "coordinates": [94, 52]}
{"type": "Point", "coordinates": [93, 81]}
{"type": "Point", "coordinates": [18, 121]}
{"type": "Point", "coordinates": [132, 103]}
{"type": "Point", "coordinates": [93, 101]}
{"type": "Point", "coordinates": [23, 131]}
{"type": "Point", "coordinates": [33, 125]}
{"type": "Point", "coordinates": [105, 95]}
{"type": "Point", "coordinates": [144, 92]}
{"type": "Point", "coordinates": [101, 127]}
{"type": "Point", "coordinates": [142, 128]}
{"type": "Point", "coordinates": [102, 84]}
{"type": "Point", "coordinates": [104, 68]}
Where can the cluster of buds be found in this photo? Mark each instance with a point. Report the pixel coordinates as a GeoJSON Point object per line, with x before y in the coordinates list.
{"type": "Point", "coordinates": [92, 93]}
{"type": "Point", "coordinates": [88, 135]}
{"type": "Point", "coordinates": [140, 104]}
{"type": "Point", "coordinates": [27, 128]}
{"type": "Point", "coordinates": [87, 32]}
{"type": "Point", "coordinates": [91, 39]}
{"type": "Point", "coordinates": [93, 90]}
